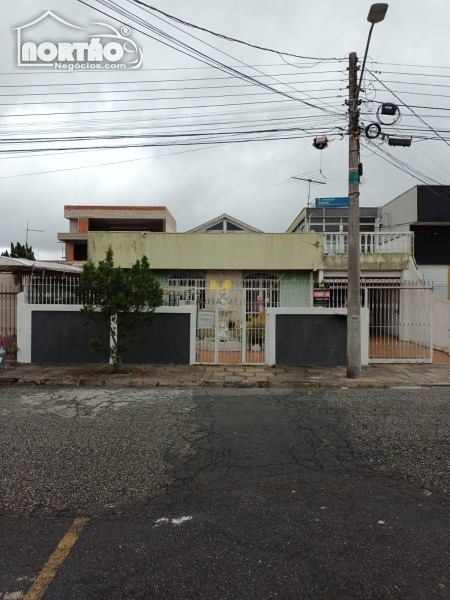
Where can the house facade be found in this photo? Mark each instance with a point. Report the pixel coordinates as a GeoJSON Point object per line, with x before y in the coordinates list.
{"type": "Point", "coordinates": [234, 294]}
{"type": "Point", "coordinates": [424, 211]}
{"type": "Point", "coordinates": [226, 253]}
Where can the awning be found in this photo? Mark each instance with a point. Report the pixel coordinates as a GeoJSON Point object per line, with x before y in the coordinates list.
{"type": "Point", "coordinates": [22, 265]}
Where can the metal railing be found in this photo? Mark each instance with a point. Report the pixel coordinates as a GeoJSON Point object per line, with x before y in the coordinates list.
{"type": "Point", "coordinates": [50, 290]}
{"type": "Point", "coordinates": [337, 243]}
{"type": "Point", "coordinates": [400, 317]}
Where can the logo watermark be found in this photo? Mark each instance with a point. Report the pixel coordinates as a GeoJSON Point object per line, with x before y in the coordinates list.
{"type": "Point", "coordinates": [110, 50]}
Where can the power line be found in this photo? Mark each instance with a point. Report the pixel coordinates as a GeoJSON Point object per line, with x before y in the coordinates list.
{"type": "Point", "coordinates": [117, 162]}
{"type": "Point", "coordinates": [124, 161]}
{"type": "Point", "coordinates": [410, 65]}
{"type": "Point", "coordinates": [86, 112]}
{"type": "Point", "coordinates": [230, 39]}
{"type": "Point", "coordinates": [409, 108]}
{"type": "Point", "coordinates": [188, 50]}
{"type": "Point", "coordinates": [177, 89]}
{"type": "Point", "coordinates": [109, 100]}
{"type": "Point", "coordinates": [108, 72]}
{"type": "Point", "coordinates": [121, 11]}
{"type": "Point", "coordinates": [184, 79]}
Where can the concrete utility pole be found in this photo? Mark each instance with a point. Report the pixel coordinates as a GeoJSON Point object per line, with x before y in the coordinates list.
{"type": "Point", "coordinates": [376, 15]}
{"type": "Point", "coordinates": [354, 265]}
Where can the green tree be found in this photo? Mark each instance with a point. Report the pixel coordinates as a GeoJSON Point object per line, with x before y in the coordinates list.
{"type": "Point", "coordinates": [20, 251]}
{"type": "Point", "coordinates": [123, 299]}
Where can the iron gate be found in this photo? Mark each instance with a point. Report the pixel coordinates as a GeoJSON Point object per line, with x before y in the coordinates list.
{"type": "Point", "coordinates": [8, 316]}
{"type": "Point", "coordinates": [231, 326]}
{"type": "Point", "coordinates": [400, 318]}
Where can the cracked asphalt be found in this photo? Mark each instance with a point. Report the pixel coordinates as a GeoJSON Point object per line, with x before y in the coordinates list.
{"type": "Point", "coordinates": [227, 494]}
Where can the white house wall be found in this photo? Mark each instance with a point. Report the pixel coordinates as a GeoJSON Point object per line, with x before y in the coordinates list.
{"type": "Point", "coordinates": [400, 210]}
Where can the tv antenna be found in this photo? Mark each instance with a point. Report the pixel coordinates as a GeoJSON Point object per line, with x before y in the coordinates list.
{"type": "Point", "coordinates": [309, 179]}
{"type": "Point", "coordinates": [26, 237]}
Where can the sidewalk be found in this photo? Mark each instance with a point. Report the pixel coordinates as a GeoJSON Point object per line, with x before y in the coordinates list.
{"type": "Point", "coordinates": [221, 376]}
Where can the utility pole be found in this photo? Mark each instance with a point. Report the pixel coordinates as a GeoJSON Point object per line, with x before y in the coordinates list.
{"type": "Point", "coordinates": [354, 264]}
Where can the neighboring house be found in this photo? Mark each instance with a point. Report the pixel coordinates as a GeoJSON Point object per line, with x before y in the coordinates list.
{"type": "Point", "coordinates": [382, 256]}
{"type": "Point", "coordinates": [332, 220]}
{"type": "Point", "coordinates": [84, 219]}
{"type": "Point", "coordinates": [425, 211]}
{"type": "Point", "coordinates": [13, 272]}
{"type": "Point", "coordinates": [224, 224]}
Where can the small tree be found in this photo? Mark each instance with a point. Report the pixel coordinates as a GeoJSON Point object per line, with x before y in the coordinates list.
{"type": "Point", "coordinates": [20, 251]}
{"type": "Point", "coordinates": [123, 299]}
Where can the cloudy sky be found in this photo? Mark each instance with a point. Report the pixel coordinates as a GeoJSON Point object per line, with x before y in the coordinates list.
{"type": "Point", "coordinates": [198, 182]}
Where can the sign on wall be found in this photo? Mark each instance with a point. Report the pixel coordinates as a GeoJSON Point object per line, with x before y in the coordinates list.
{"type": "Point", "coordinates": [339, 202]}
{"type": "Point", "coordinates": [321, 294]}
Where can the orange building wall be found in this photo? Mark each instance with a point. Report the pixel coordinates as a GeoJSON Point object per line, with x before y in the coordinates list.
{"type": "Point", "coordinates": [69, 252]}
{"type": "Point", "coordinates": [83, 225]}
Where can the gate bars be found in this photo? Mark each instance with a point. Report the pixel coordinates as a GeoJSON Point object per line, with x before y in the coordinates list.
{"type": "Point", "coordinates": [400, 318]}
{"type": "Point", "coordinates": [8, 316]}
{"type": "Point", "coordinates": [230, 326]}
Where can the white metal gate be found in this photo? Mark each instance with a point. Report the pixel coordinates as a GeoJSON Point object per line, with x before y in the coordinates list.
{"type": "Point", "coordinates": [400, 318]}
{"type": "Point", "coordinates": [231, 326]}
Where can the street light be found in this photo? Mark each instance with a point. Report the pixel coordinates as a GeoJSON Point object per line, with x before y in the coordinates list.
{"type": "Point", "coordinates": [376, 14]}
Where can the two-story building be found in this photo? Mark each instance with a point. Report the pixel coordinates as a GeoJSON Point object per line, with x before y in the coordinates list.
{"type": "Point", "coordinates": [423, 211]}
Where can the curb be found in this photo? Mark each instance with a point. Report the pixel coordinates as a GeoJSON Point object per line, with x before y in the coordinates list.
{"type": "Point", "coordinates": [212, 384]}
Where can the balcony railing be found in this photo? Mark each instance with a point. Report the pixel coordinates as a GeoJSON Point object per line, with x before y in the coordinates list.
{"type": "Point", "coordinates": [337, 243]}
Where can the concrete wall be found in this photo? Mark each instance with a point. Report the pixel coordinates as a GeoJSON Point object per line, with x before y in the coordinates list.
{"type": "Point", "coordinates": [271, 329]}
{"type": "Point", "coordinates": [311, 339]}
{"type": "Point", "coordinates": [10, 282]}
{"type": "Point", "coordinates": [63, 337]}
{"type": "Point", "coordinates": [26, 343]}
{"type": "Point", "coordinates": [256, 251]}
{"type": "Point", "coordinates": [253, 251]}
{"type": "Point", "coordinates": [441, 324]}
{"type": "Point", "coordinates": [115, 212]}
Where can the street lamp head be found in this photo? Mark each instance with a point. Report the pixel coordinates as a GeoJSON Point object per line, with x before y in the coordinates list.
{"type": "Point", "coordinates": [377, 12]}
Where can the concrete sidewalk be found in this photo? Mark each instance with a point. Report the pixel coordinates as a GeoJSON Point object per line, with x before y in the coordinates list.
{"type": "Point", "coordinates": [222, 376]}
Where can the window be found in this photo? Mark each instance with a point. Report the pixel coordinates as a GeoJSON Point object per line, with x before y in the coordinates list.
{"type": "Point", "coordinates": [232, 227]}
{"type": "Point", "coordinates": [187, 279]}
{"type": "Point", "coordinates": [216, 227]}
{"type": "Point", "coordinates": [193, 281]}
{"type": "Point", "coordinates": [80, 252]}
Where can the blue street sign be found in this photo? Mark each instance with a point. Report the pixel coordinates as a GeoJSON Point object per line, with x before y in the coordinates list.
{"type": "Point", "coordinates": [335, 202]}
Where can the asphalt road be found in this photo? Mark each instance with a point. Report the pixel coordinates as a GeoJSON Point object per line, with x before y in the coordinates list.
{"type": "Point", "coordinates": [226, 495]}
